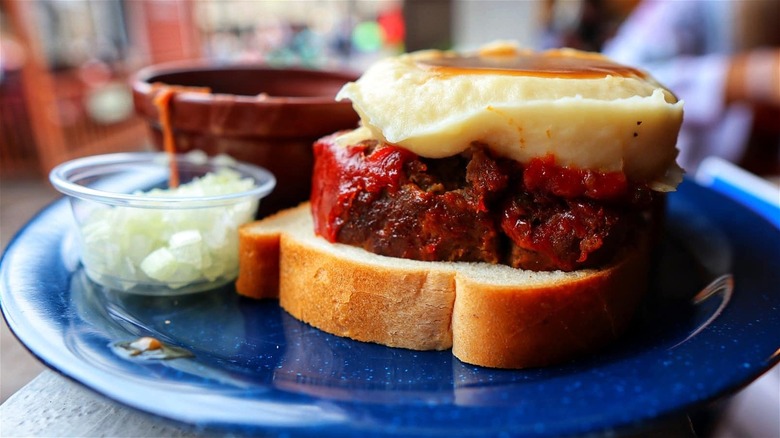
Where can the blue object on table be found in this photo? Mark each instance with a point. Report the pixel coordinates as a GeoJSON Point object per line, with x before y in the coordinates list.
{"type": "Point", "coordinates": [744, 187]}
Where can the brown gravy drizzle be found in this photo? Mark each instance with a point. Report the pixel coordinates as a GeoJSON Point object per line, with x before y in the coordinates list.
{"type": "Point", "coordinates": [162, 100]}
{"type": "Point", "coordinates": [536, 64]}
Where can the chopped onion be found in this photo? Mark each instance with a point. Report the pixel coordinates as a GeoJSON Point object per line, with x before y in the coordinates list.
{"type": "Point", "coordinates": [173, 247]}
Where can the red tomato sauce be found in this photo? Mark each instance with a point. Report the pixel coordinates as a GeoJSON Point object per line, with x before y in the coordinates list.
{"type": "Point", "coordinates": [471, 207]}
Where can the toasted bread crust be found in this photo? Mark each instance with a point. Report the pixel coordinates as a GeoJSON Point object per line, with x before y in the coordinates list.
{"type": "Point", "coordinates": [489, 315]}
{"type": "Point", "coordinates": [394, 307]}
{"type": "Point", "coordinates": [258, 255]}
{"type": "Point", "coordinates": [507, 327]}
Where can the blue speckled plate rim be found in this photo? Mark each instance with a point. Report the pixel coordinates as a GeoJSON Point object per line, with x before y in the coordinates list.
{"type": "Point", "coordinates": [42, 335]}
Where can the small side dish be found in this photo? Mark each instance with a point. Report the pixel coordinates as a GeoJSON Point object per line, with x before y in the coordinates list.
{"type": "Point", "coordinates": [139, 235]}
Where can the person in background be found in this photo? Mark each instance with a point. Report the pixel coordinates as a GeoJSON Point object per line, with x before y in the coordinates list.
{"type": "Point", "coordinates": [723, 59]}
{"type": "Point", "coordinates": [581, 24]}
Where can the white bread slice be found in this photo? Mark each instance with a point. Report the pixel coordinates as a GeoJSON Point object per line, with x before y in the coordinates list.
{"type": "Point", "coordinates": [490, 315]}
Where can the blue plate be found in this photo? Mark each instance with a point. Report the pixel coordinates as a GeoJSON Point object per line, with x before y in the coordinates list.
{"type": "Point", "coordinates": [255, 369]}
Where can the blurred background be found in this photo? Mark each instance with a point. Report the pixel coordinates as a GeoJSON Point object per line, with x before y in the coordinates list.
{"type": "Point", "coordinates": [65, 64]}
{"type": "Point", "coordinates": [65, 67]}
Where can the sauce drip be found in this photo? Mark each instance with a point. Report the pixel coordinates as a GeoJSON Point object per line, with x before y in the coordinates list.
{"type": "Point", "coordinates": [535, 64]}
{"type": "Point", "coordinates": [163, 103]}
{"type": "Point", "coordinates": [162, 100]}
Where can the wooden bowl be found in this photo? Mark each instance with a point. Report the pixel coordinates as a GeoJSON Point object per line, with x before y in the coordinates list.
{"type": "Point", "coordinates": [266, 116]}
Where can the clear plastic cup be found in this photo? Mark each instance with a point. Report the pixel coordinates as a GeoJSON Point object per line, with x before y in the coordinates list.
{"type": "Point", "coordinates": [139, 237]}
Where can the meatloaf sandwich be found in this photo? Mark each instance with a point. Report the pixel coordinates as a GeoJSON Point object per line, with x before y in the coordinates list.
{"type": "Point", "coordinates": [499, 203]}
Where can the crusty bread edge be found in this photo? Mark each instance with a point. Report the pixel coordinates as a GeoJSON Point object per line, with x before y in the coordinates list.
{"type": "Point", "coordinates": [435, 306]}
{"type": "Point", "coordinates": [510, 327]}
